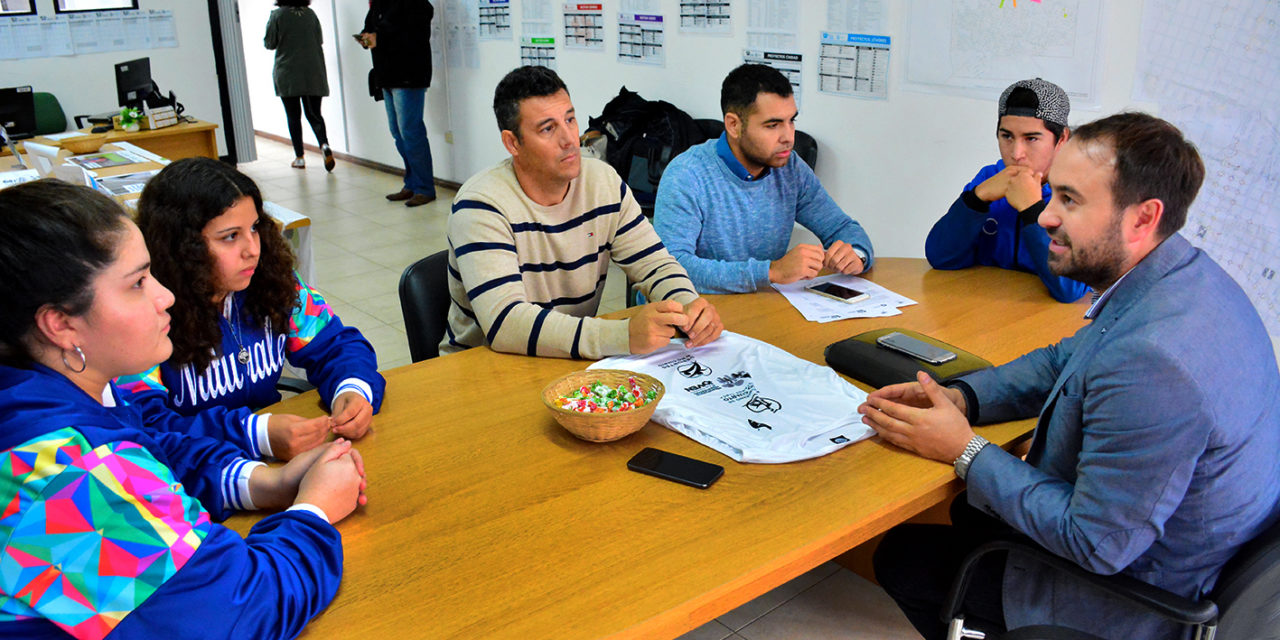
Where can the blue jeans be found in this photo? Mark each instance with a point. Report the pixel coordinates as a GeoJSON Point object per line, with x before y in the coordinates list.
{"type": "Point", "coordinates": [404, 117]}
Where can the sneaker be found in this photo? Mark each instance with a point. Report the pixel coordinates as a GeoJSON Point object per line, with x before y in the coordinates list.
{"type": "Point", "coordinates": [403, 194]}
{"type": "Point", "coordinates": [328, 157]}
{"type": "Point", "coordinates": [298, 163]}
{"type": "Point", "coordinates": [419, 199]}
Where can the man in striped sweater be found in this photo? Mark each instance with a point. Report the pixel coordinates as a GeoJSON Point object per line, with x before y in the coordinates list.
{"type": "Point", "coordinates": [530, 240]}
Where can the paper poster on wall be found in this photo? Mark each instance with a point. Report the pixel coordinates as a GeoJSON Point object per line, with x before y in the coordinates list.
{"type": "Point", "coordinates": [536, 18]}
{"type": "Point", "coordinates": [79, 33]}
{"type": "Point", "coordinates": [639, 6]}
{"type": "Point", "coordinates": [641, 39]}
{"type": "Point", "coordinates": [494, 19]}
{"type": "Point", "coordinates": [111, 31]}
{"type": "Point", "coordinates": [8, 48]}
{"type": "Point", "coordinates": [56, 33]}
{"type": "Point", "coordinates": [21, 38]}
{"type": "Point", "coordinates": [462, 39]}
{"type": "Point", "coordinates": [584, 26]}
{"type": "Point", "coordinates": [84, 34]}
{"type": "Point", "coordinates": [976, 48]}
{"type": "Point", "coordinates": [136, 27]}
{"type": "Point", "coordinates": [773, 25]}
{"type": "Point", "coordinates": [854, 64]}
{"type": "Point", "coordinates": [706, 16]}
{"type": "Point", "coordinates": [1204, 65]}
{"type": "Point", "coordinates": [164, 33]}
{"type": "Point", "coordinates": [787, 62]}
{"type": "Point", "coordinates": [857, 16]}
{"type": "Point", "coordinates": [538, 51]}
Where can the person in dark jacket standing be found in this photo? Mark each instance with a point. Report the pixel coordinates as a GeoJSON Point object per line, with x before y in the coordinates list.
{"type": "Point", "coordinates": [293, 32]}
{"type": "Point", "coordinates": [398, 33]}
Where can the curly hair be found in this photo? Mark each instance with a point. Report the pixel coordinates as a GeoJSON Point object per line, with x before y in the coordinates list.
{"type": "Point", "coordinates": [174, 208]}
{"type": "Point", "coordinates": [54, 239]}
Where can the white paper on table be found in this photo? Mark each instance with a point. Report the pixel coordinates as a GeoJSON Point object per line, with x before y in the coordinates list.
{"type": "Point", "coordinates": [818, 308]}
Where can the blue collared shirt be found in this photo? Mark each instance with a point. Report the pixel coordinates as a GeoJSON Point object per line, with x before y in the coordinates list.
{"type": "Point", "coordinates": [731, 161]}
{"type": "Point", "coordinates": [1100, 299]}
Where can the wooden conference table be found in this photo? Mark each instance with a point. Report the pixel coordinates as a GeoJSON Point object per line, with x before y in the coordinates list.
{"type": "Point", "coordinates": [486, 519]}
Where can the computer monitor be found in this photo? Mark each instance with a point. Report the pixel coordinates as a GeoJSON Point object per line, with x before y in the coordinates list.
{"type": "Point", "coordinates": [133, 82]}
{"type": "Point", "coordinates": [18, 112]}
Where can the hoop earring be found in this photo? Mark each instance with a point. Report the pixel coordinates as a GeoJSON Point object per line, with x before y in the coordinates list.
{"type": "Point", "coordinates": [84, 364]}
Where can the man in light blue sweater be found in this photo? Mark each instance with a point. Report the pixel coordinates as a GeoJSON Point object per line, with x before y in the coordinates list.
{"type": "Point", "coordinates": [726, 207]}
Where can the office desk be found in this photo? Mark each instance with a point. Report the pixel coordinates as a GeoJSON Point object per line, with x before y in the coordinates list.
{"type": "Point", "coordinates": [488, 520]}
{"type": "Point", "coordinates": [185, 140]}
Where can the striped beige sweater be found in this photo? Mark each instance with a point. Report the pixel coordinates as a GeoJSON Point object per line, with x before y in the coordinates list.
{"type": "Point", "coordinates": [525, 278]}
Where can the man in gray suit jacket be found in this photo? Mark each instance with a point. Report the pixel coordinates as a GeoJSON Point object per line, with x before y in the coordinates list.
{"type": "Point", "coordinates": [1156, 452]}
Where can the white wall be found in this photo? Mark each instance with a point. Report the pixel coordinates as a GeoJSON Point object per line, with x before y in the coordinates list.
{"type": "Point", "coordinates": [895, 165]}
{"type": "Point", "coordinates": [86, 84]}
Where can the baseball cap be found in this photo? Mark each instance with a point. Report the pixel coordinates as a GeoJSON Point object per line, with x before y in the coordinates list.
{"type": "Point", "coordinates": [1047, 102]}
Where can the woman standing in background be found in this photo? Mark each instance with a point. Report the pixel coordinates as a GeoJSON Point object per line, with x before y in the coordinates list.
{"type": "Point", "coordinates": [293, 32]}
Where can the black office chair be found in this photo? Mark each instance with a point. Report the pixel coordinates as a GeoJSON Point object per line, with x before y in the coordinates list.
{"type": "Point", "coordinates": [1244, 604]}
{"type": "Point", "coordinates": [805, 146]}
{"type": "Point", "coordinates": [424, 299]}
{"type": "Point", "coordinates": [710, 127]}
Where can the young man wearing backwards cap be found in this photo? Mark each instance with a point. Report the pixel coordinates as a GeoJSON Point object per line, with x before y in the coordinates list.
{"type": "Point", "coordinates": [993, 222]}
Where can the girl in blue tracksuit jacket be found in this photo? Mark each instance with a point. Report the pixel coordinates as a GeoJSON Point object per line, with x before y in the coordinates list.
{"type": "Point", "coordinates": [106, 527]}
{"type": "Point", "coordinates": [241, 313]}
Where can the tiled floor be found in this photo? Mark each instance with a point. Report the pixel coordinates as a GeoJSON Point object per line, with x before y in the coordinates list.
{"type": "Point", "coordinates": [362, 243]}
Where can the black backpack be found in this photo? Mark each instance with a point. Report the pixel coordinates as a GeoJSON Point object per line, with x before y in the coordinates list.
{"type": "Point", "coordinates": [644, 135]}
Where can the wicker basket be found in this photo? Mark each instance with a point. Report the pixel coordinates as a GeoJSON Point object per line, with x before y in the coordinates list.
{"type": "Point", "coordinates": [84, 144]}
{"type": "Point", "coordinates": [601, 427]}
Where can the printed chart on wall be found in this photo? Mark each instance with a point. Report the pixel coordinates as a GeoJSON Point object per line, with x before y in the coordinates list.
{"type": "Point", "coordinates": [789, 63]}
{"type": "Point", "coordinates": [536, 18]}
{"type": "Point", "coordinates": [706, 16]}
{"type": "Point", "coordinates": [584, 26]}
{"type": "Point", "coordinates": [81, 33]}
{"type": "Point", "coordinates": [853, 64]}
{"type": "Point", "coordinates": [641, 39]}
{"type": "Point", "coordinates": [857, 16]}
{"type": "Point", "coordinates": [1212, 69]}
{"type": "Point", "coordinates": [495, 19]}
{"type": "Point", "coordinates": [537, 40]}
{"type": "Point", "coordinates": [773, 25]}
{"type": "Point", "coordinates": [538, 51]}
{"type": "Point", "coordinates": [976, 48]}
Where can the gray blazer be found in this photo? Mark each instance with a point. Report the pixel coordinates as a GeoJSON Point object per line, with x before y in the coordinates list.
{"type": "Point", "coordinates": [1157, 452]}
{"type": "Point", "coordinates": [294, 33]}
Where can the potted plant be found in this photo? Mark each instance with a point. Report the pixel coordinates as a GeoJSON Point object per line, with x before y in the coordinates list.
{"type": "Point", "coordinates": [129, 119]}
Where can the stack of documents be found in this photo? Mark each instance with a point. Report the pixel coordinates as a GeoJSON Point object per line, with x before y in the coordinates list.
{"type": "Point", "coordinates": [818, 308]}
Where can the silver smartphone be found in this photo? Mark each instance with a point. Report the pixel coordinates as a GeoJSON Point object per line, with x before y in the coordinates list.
{"type": "Point", "coordinates": [918, 349]}
{"type": "Point", "coordinates": [838, 292]}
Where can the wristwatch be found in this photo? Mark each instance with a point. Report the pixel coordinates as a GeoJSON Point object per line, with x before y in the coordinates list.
{"type": "Point", "coordinates": [966, 457]}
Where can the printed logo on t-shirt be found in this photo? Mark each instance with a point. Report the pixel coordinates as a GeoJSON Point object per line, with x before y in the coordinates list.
{"type": "Point", "coordinates": [758, 425]}
{"type": "Point", "coordinates": [694, 369]}
{"type": "Point", "coordinates": [734, 379]}
{"type": "Point", "coordinates": [760, 404]}
{"type": "Point", "coordinates": [839, 440]}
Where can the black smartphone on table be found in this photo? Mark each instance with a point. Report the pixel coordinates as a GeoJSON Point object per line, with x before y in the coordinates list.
{"type": "Point", "coordinates": [675, 467]}
{"type": "Point", "coordinates": [838, 292]}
